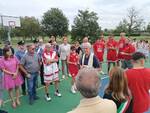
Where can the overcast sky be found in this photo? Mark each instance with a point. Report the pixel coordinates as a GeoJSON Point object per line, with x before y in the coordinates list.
{"type": "Point", "coordinates": [110, 12]}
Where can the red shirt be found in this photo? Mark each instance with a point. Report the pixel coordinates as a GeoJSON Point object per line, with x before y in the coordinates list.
{"type": "Point", "coordinates": [130, 49]}
{"type": "Point", "coordinates": [98, 48]}
{"type": "Point", "coordinates": [139, 84]}
{"type": "Point", "coordinates": [121, 44]}
{"type": "Point", "coordinates": [73, 69]}
{"type": "Point", "coordinates": [111, 53]}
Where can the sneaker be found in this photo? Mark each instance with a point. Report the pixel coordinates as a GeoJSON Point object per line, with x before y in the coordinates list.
{"type": "Point", "coordinates": [73, 90]}
{"type": "Point", "coordinates": [63, 76]}
{"type": "Point", "coordinates": [101, 72]}
{"type": "Point", "coordinates": [57, 94]}
{"type": "Point", "coordinates": [47, 97]}
{"type": "Point", "coordinates": [69, 75]}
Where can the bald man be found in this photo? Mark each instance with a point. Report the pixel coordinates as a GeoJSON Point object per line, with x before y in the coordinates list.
{"type": "Point", "coordinates": [88, 84]}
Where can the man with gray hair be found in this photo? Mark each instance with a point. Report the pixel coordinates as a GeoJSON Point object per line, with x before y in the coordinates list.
{"type": "Point", "coordinates": [89, 59]}
{"type": "Point", "coordinates": [88, 84]}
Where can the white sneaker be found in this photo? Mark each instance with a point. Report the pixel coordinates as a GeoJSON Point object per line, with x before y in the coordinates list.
{"type": "Point", "coordinates": [48, 98]}
{"type": "Point", "coordinates": [101, 72]}
{"type": "Point", "coordinates": [57, 94]}
{"type": "Point", "coordinates": [73, 90]}
{"type": "Point", "coordinates": [63, 76]}
{"type": "Point", "coordinates": [69, 75]}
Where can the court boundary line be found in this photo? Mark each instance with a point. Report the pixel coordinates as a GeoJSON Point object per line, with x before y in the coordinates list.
{"type": "Point", "coordinates": [9, 100]}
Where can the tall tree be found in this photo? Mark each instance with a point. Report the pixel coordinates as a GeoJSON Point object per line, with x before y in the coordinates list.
{"type": "Point", "coordinates": [133, 22]}
{"type": "Point", "coordinates": [55, 22]}
{"type": "Point", "coordinates": [148, 28]}
{"type": "Point", "coordinates": [85, 24]}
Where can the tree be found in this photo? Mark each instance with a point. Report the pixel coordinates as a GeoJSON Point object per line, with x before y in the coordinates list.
{"type": "Point", "coordinates": [122, 27]}
{"type": "Point", "coordinates": [134, 21]}
{"type": "Point", "coordinates": [148, 28]}
{"type": "Point", "coordinates": [3, 33]}
{"type": "Point", "coordinates": [85, 24]}
{"type": "Point", "coordinates": [132, 24]}
{"type": "Point", "coordinates": [54, 22]}
{"type": "Point", "coordinates": [30, 27]}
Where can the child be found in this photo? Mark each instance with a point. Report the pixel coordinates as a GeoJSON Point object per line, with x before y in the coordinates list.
{"type": "Point", "coordinates": [73, 61]}
{"type": "Point", "coordinates": [51, 71]}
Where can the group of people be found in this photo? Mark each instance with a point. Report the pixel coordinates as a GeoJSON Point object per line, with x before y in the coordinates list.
{"type": "Point", "coordinates": [82, 63]}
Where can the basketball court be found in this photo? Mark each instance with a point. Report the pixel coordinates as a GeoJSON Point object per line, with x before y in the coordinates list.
{"type": "Point", "coordinates": [63, 104]}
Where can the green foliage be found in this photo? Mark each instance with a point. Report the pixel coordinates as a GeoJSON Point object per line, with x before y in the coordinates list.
{"type": "Point", "coordinates": [148, 28]}
{"type": "Point", "coordinates": [3, 34]}
{"type": "Point", "coordinates": [30, 27]}
{"type": "Point", "coordinates": [85, 24]}
{"type": "Point", "coordinates": [55, 22]}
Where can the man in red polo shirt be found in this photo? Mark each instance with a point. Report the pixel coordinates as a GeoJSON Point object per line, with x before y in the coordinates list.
{"type": "Point", "coordinates": [111, 51]}
{"type": "Point", "coordinates": [98, 48]}
{"type": "Point", "coordinates": [121, 44]}
{"type": "Point", "coordinates": [126, 53]}
{"type": "Point", "coordinates": [139, 83]}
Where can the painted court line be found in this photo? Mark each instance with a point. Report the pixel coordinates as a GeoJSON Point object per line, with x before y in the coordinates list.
{"type": "Point", "coordinates": [8, 100]}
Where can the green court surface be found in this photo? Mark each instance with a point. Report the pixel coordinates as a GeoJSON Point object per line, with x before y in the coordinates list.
{"type": "Point", "coordinates": [63, 104]}
{"type": "Point", "coordinates": [56, 105]}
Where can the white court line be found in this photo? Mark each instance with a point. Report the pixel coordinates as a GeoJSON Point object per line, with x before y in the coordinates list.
{"type": "Point", "coordinates": [8, 100]}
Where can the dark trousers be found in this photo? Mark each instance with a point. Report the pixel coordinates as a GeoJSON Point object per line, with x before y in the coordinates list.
{"type": "Point", "coordinates": [42, 74]}
{"type": "Point", "coordinates": [109, 65]}
{"type": "Point", "coordinates": [23, 86]}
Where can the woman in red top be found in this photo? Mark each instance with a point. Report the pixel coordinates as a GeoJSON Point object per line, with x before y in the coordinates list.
{"type": "Point", "coordinates": [73, 61]}
{"type": "Point", "coordinates": [111, 51]}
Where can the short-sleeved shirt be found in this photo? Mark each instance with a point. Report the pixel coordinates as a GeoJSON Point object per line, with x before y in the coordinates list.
{"type": "Point", "coordinates": [121, 44]}
{"type": "Point", "coordinates": [39, 51]}
{"type": "Point", "coordinates": [139, 84]}
{"type": "Point", "coordinates": [31, 62]}
{"type": "Point", "coordinates": [9, 64]}
{"type": "Point", "coordinates": [19, 54]}
{"type": "Point", "coordinates": [95, 61]}
{"type": "Point", "coordinates": [98, 48]}
{"type": "Point", "coordinates": [111, 53]}
{"type": "Point", "coordinates": [130, 49]}
{"type": "Point", "coordinates": [64, 51]}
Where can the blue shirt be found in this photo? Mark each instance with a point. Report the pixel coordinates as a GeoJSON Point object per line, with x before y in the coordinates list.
{"type": "Point", "coordinates": [19, 54]}
{"type": "Point", "coordinates": [39, 51]}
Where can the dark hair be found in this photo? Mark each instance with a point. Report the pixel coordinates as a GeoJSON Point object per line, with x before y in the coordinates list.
{"type": "Point", "coordinates": [138, 55]}
{"type": "Point", "coordinates": [118, 85]}
{"type": "Point", "coordinates": [5, 50]}
{"type": "Point", "coordinates": [73, 47]}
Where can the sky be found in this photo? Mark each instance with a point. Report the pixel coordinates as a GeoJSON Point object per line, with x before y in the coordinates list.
{"type": "Point", "coordinates": [110, 12]}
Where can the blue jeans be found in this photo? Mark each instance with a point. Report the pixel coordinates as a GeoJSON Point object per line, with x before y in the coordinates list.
{"type": "Point", "coordinates": [31, 84]}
